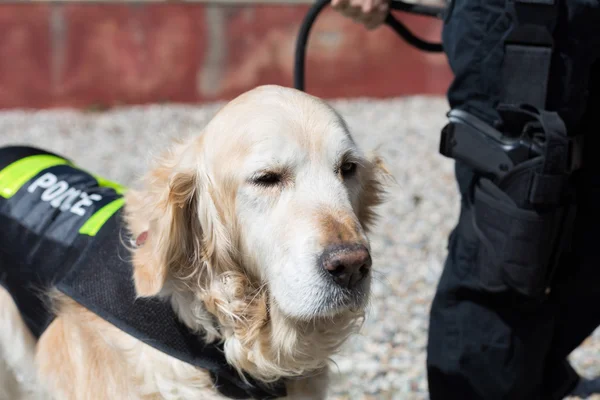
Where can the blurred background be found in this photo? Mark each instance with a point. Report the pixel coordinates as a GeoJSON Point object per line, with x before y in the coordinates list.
{"type": "Point", "coordinates": [107, 83]}
{"type": "Point", "coordinates": [97, 54]}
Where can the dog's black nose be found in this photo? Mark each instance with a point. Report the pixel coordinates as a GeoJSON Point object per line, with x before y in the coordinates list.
{"type": "Point", "coordinates": [347, 265]}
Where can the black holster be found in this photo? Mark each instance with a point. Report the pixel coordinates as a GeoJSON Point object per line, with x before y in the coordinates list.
{"type": "Point", "coordinates": [523, 219]}
{"type": "Point", "coordinates": [519, 248]}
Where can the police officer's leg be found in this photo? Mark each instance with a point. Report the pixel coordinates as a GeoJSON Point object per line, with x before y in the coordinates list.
{"type": "Point", "coordinates": [483, 345]}
{"type": "Point", "coordinates": [576, 292]}
{"type": "Point", "coordinates": [486, 341]}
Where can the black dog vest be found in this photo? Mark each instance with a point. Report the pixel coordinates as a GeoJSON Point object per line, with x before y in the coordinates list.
{"type": "Point", "coordinates": [61, 226]}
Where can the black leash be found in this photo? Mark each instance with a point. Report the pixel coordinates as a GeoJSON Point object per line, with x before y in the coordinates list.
{"type": "Point", "coordinates": [391, 21]}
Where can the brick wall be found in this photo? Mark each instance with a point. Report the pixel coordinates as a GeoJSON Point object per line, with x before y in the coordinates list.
{"type": "Point", "coordinates": [74, 54]}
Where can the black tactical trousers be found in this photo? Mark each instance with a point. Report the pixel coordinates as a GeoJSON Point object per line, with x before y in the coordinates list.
{"type": "Point", "coordinates": [501, 345]}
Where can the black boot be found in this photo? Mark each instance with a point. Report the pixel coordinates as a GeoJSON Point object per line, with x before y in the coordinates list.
{"type": "Point", "coordinates": [586, 387]}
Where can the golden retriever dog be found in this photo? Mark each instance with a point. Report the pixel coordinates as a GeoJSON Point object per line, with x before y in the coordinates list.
{"type": "Point", "coordinates": [256, 236]}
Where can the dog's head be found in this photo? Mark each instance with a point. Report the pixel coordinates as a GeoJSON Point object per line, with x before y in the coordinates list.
{"type": "Point", "coordinates": [261, 221]}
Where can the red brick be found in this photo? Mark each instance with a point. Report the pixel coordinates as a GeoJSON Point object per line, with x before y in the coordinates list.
{"type": "Point", "coordinates": [344, 59]}
{"type": "Point", "coordinates": [24, 56]}
{"type": "Point", "coordinates": [78, 55]}
{"type": "Point", "coordinates": [131, 53]}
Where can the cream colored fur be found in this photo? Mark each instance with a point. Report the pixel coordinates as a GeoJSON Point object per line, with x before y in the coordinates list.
{"type": "Point", "coordinates": [236, 260]}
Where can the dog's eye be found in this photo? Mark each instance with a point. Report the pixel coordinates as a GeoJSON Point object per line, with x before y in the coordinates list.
{"type": "Point", "coordinates": [348, 169]}
{"type": "Point", "coordinates": [267, 179]}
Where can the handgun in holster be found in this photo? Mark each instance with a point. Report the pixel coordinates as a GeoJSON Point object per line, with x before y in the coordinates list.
{"type": "Point", "coordinates": [522, 200]}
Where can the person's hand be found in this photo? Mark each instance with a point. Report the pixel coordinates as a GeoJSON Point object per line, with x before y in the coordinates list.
{"type": "Point", "coordinates": [370, 13]}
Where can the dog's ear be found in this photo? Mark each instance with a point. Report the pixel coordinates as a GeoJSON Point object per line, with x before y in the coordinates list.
{"type": "Point", "coordinates": [373, 177]}
{"type": "Point", "coordinates": [174, 242]}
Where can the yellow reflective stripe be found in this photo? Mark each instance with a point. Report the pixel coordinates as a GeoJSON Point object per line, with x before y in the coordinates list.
{"type": "Point", "coordinates": [15, 175]}
{"type": "Point", "coordinates": [99, 218]}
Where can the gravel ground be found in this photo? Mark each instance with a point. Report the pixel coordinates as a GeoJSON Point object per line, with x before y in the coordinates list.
{"type": "Point", "coordinates": [387, 360]}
